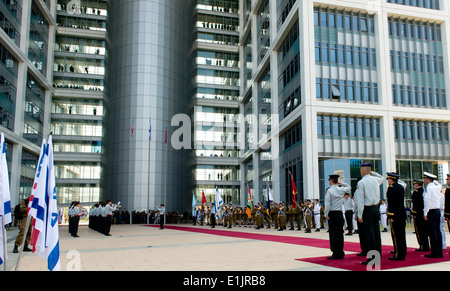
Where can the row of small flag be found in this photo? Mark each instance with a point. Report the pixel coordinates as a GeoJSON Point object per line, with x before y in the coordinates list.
{"type": "Point", "coordinates": [42, 207]}
{"type": "Point", "coordinates": [149, 131]}
{"type": "Point", "coordinates": [218, 199]}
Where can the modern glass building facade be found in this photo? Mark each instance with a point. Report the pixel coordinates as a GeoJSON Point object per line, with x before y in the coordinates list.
{"type": "Point", "coordinates": [216, 99]}
{"type": "Point", "coordinates": [26, 46]}
{"type": "Point", "coordinates": [77, 104]}
{"type": "Point", "coordinates": [350, 82]}
{"type": "Point", "coordinates": [270, 88]}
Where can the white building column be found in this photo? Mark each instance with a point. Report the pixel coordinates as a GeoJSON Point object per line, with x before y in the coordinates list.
{"type": "Point", "coordinates": [309, 116]}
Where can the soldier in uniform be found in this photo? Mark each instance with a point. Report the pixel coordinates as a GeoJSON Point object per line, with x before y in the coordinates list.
{"type": "Point", "coordinates": [274, 214]}
{"type": "Point", "coordinates": [74, 218]}
{"type": "Point", "coordinates": [267, 216]}
{"type": "Point", "coordinates": [417, 214]}
{"type": "Point", "coordinates": [348, 208]}
{"type": "Point", "coordinates": [432, 214]}
{"type": "Point", "coordinates": [282, 216]}
{"type": "Point", "coordinates": [258, 216]}
{"type": "Point", "coordinates": [212, 214]}
{"type": "Point", "coordinates": [316, 211]}
{"type": "Point", "coordinates": [230, 215]}
{"type": "Point", "coordinates": [396, 215]}
{"type": "Point", "coordinates": [225, 216]}
{"type": "Point", "coordinates": [239, 216]}
{"type": "Point", "coordinates": [334, 198]}
{"type": "Point", "coordinates": [202, 215]}
{"type": "Point", "coordinates": [290, 216]}
{"type": "Point", "coordinates": [298, 216]}
{"type": "Point", "coordinates": [23, 222]}
{"type": "Point", "coordinates": [308, 215]}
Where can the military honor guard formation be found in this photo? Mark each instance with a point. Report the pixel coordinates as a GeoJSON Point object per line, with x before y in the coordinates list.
{"type": "Point", "coordinates": [360, 215]}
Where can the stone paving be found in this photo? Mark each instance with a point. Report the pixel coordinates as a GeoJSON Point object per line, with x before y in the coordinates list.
{"type": "Point", "coordinates": [143, 248]}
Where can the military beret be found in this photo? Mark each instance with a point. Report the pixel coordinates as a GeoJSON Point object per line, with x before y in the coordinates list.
{"type": "Point", "coordinates": [366, 165]}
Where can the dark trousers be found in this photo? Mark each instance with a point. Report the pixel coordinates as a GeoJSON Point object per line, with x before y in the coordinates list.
{"type": "Point", "coordinates": [362, 238]}
{"type": "Point", "coordinates": [434, 221]}
{"type": "Point", "coordinates": [107, 225]}
{"type": "Point", "coordinates": [421, 233]}
{"type": "Point", "coordinates": [399, 237]}
{"type": "Point", "coordinates": [161, 221]}
{"type": "Point", "coordinates": [213, 220]}
{"type": "Point", "coordinates": [371, 228]}
{"type": "Point", "coordinates": [73, 225]}
{"type": "Point", "coordinates": [336, 225]}
{"type": "Point", "coordinates": [101, 224]}
{"type": "Point", "coordinates": [349, 219]}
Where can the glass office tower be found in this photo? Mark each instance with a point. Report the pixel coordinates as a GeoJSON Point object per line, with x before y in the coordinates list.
{"type": "Point", "coordinates": [77, 105]}
{"type": "Point", "coordinates": [349, 83]}
{"type": "Point", "coordinates": [216, 98]}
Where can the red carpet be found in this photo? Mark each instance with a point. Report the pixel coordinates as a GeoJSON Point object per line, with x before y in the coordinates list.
{"type": "Point", "coordinates": [351, 262]}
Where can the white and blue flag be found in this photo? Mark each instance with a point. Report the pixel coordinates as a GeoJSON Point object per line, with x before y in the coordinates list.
{"type": "Point", "coordinates": [194, 202]}
{"type": "Point", "coordinates": [218, 200]}
{"type": "Point", "coordinates": [45, 235]}
{"type": "Point", "coordinates": [5, 199]}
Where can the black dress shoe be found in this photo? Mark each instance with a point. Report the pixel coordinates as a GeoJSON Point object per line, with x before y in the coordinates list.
{"type": "Point", "coordinates": [335, 258]}
{"type": "Point", "coordinates": [396, 259]}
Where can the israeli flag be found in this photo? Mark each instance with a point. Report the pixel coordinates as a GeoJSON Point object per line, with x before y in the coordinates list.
{"type": "Point", "coordinates": [218, 199]}
{"type": "Point", "coordinates": [45, 235]}
{"type": "Point", "coordinates": [5, 199]}
{"type": "Point", "coordinates": [194, 202]}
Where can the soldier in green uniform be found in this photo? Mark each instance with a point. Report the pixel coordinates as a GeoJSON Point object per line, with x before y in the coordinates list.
{"type": "Point", "coordinates": [230, 215]}
{"type": "Point", "coordinates": [290, 216]}
{"type": "Point", "coordinates": [239, 216]}
{"type": "Point", "coordinates": [23, 222]}
{"type": "Point", "coordinates": [282, 211]}
{"type": "Point", "coordinates": [299, 216]}
{"type": "Point", "coordinates": [308, 215]}
{"type": "Point", "coordinates": [225, 216]}
{"type": "Point", "coordinates": [274, 214]}
{"type": "Point", "coordinates": [258, 215]}
{"type": "Point", "coordinates": [267, 216]}
{"type": "Point", "coordinates": [202, 215]}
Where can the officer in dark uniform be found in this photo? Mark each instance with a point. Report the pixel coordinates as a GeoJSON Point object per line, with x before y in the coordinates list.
{"type": "Point", "coordinates": [397, 216]}
{"type": "Point", "coordinates": [417, 214]}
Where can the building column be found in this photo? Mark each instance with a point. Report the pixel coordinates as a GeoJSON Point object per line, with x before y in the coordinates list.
{"type": "Point", "coordinates": [309, 116]}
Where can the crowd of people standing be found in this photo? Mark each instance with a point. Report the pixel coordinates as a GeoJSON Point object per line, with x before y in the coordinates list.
{"type": "Point", "coordinates": [361, 215]}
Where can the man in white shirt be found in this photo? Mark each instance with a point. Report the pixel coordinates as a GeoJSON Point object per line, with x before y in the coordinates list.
{"type": "Point", "coordinates": [108, 214]}
{"type": "Point", "coordinates": [432, 203]}
{"type": "Point", "coordinates": [383, 214]}
{"type": "Point", "coordinates": [316, 211]}
{"type": "Point", "coordinates": [367, 198]}
{"type": "Point", "coordinates": [161, 212]}
{"type": "Point", "coordinates": [334, 198]}
{"type": "Point", "coordinates": [348, 213]}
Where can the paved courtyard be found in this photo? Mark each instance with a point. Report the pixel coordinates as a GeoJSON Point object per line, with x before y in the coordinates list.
{"type": "Point", "coordinates": [143, 248]}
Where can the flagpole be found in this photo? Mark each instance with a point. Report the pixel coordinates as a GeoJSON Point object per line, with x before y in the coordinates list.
{"type": "Point", "coordinates": [4, 242]}
{"type": "Point", "coordinates": [27, 225]}
{"type": "Point", "coordinates": [149, 161]}
{"type": "Point", "coordinates": [165, 167]}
